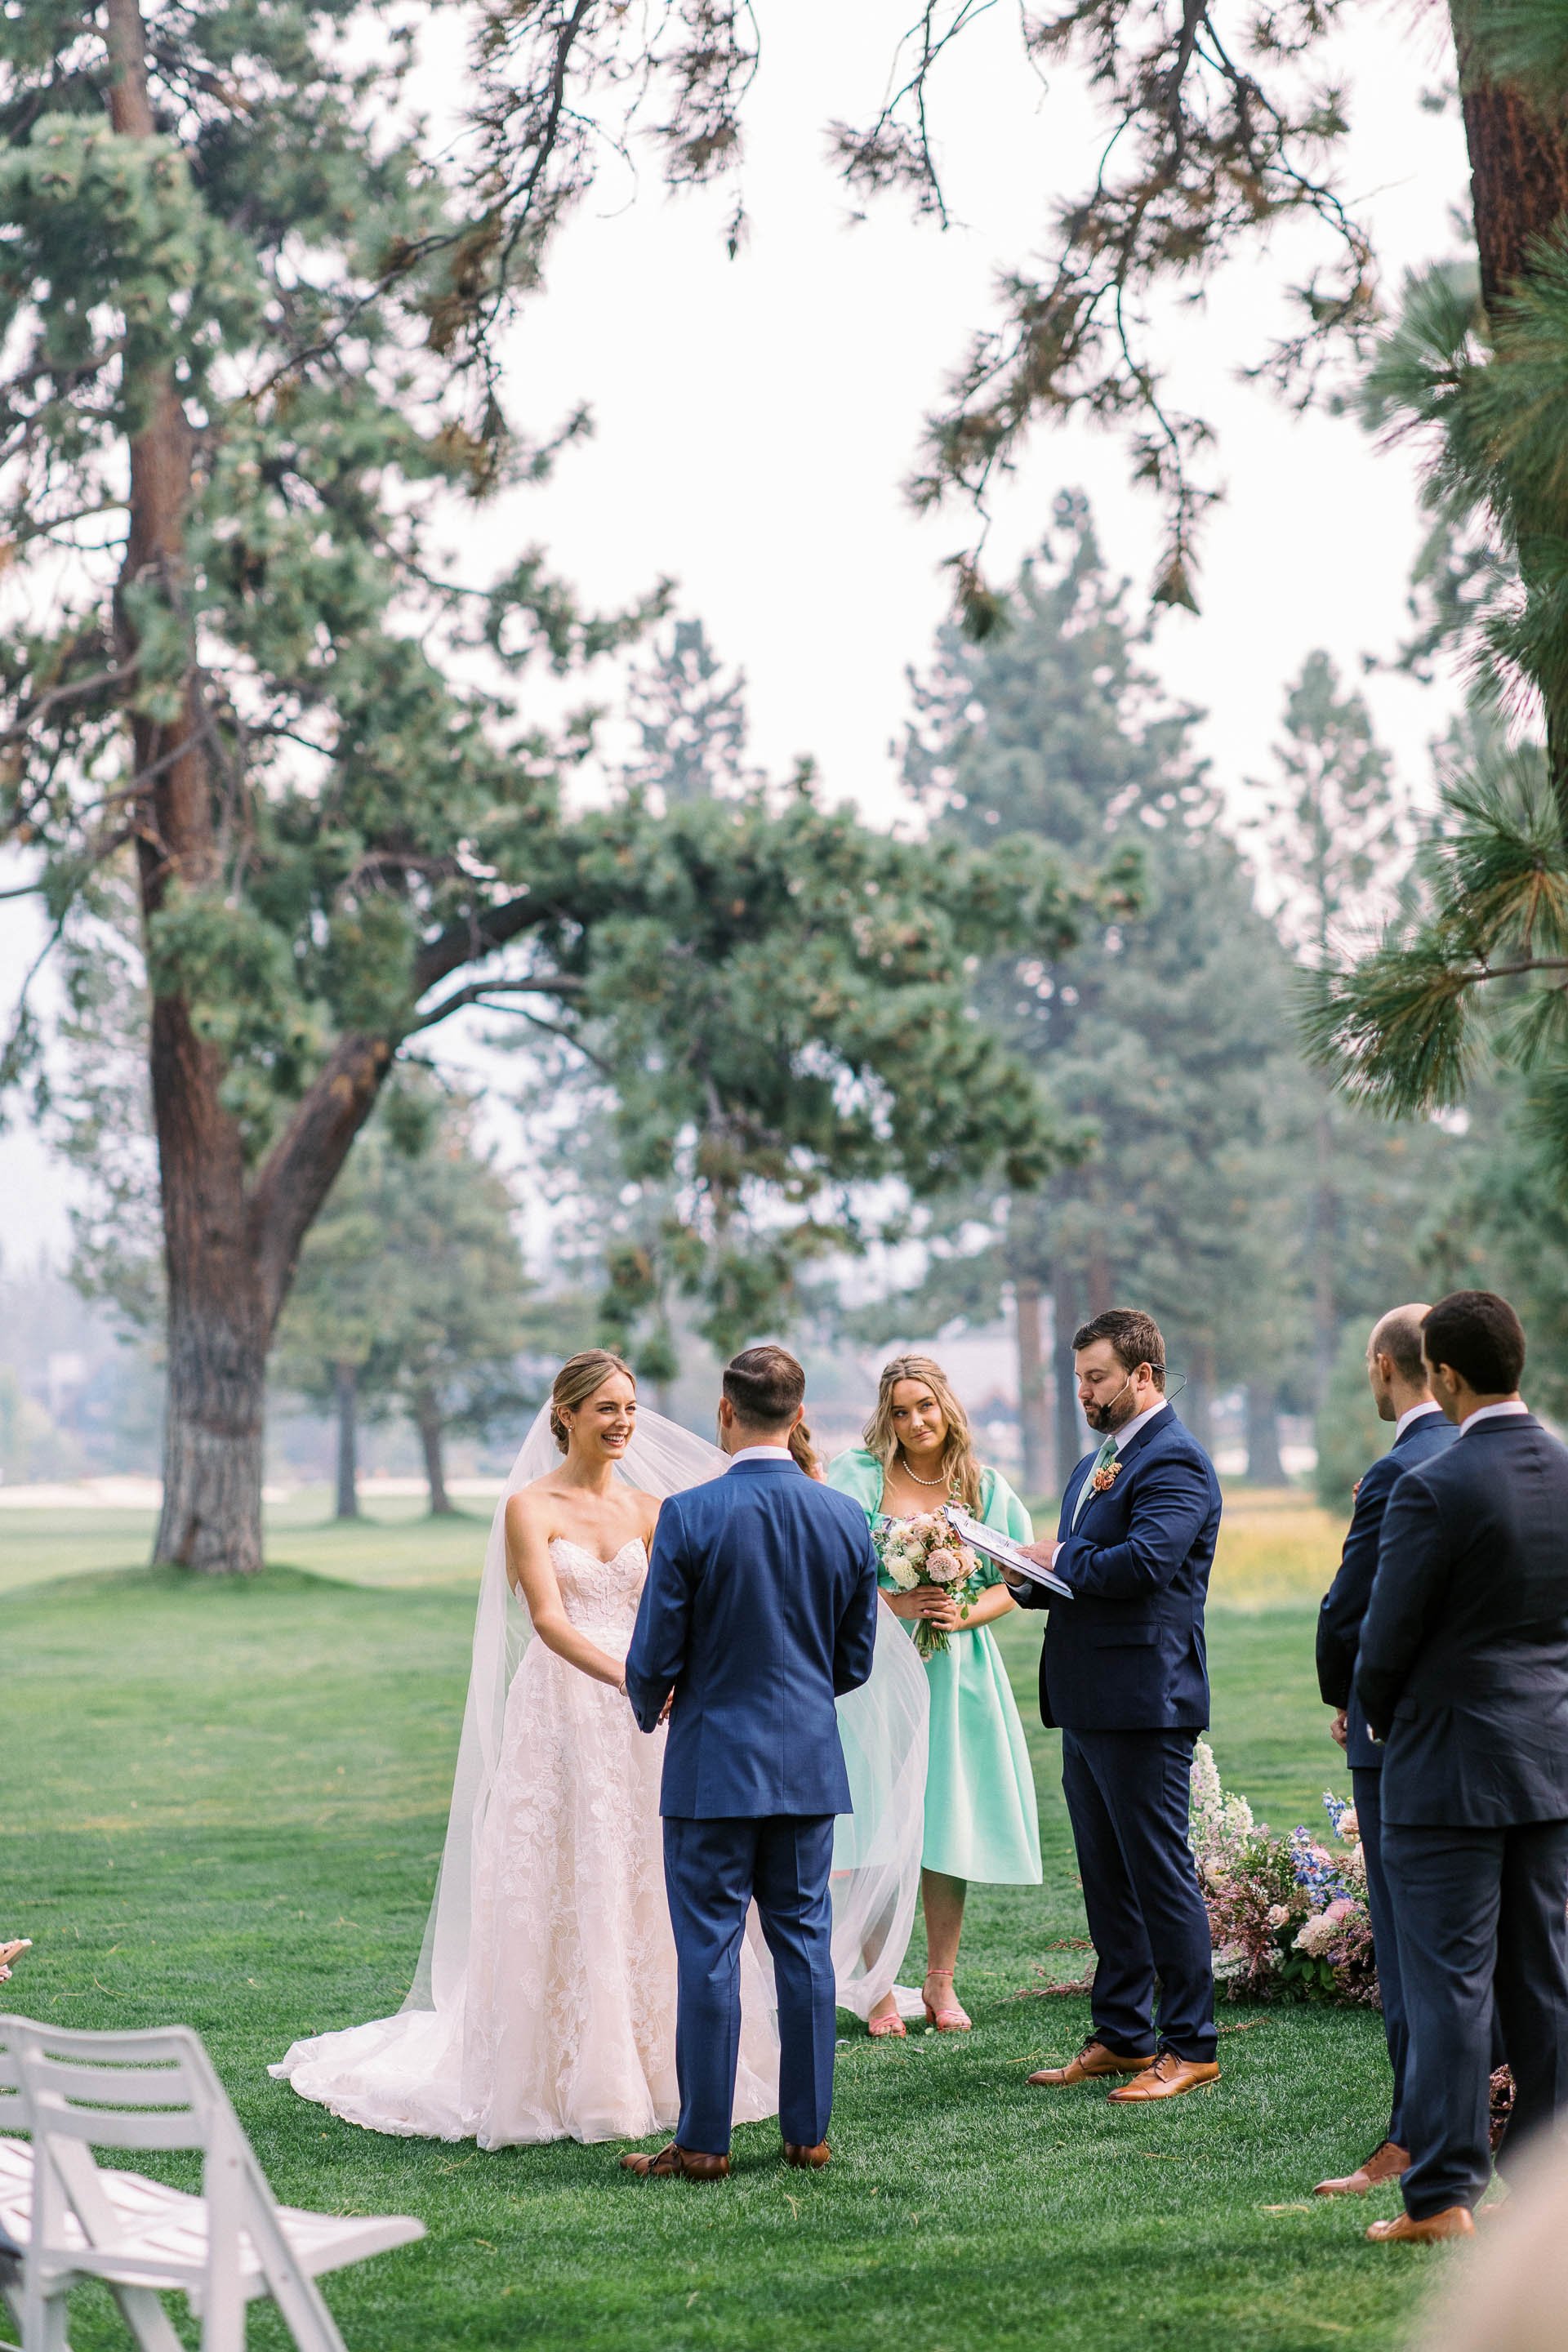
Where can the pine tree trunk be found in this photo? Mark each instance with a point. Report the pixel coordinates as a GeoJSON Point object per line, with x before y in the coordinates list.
{"type": "Point", "coordinates": [345, 1392]}
{"type": "Point", "coordinates": [1034, 1411]}
{"type": "Point", "coordinates": [427, 1420]}
{"type": "Point", "coordinates": [1197, 1404]}
{"type": "Point", "coordinates": [214, 1421]}
{"type": "Point", "coordinates": [1519, 190]}
{"type": "Point", "coordinates": [1068, 1422]}
{"type": "Point", "coordinates": [1264, 1467]}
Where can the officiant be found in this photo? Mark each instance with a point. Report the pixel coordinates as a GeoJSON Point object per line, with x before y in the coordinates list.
{"type": "Point", "coordinates": [1124, 1673]}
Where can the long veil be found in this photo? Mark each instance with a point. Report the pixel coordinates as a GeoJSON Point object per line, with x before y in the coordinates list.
{"type": "Point", "coordinates": [417, 2055]}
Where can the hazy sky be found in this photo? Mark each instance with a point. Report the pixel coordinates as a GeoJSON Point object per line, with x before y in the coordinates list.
{"type": "Point", "coordinates": [755, 419]}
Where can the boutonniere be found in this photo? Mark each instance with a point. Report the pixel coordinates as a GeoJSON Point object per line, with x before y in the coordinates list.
{"type": "Point", "coordinates": [1103, 1479]}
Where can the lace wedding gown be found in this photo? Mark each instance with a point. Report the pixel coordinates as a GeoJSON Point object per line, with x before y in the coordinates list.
{"type": "Point", "coordinates": [568, 2030]}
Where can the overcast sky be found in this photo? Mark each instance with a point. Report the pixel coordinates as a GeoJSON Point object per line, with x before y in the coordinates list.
{"type": "Point", "coordinates": [755, 419]}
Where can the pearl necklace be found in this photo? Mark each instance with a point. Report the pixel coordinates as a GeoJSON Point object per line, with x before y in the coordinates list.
{"type": "Point", "coordinates": [904, 1467]}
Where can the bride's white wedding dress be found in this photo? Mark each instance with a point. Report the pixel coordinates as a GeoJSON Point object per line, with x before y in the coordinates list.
{"type": "Point", "coordinates": [545, 2005]}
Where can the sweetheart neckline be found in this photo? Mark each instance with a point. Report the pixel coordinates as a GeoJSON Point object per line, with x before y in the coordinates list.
{"type": "Point", "coordinates": [589, 1553]}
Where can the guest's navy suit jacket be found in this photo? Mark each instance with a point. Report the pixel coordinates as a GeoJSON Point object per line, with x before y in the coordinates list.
{"type": "Point", "coordinates": [1344, 1603]}
{"type": "Point", "coordinates": [760, 1608]}
{"type": "Point", "coordinates": [1126, 1652]}
{"type": "Point", "coordinates": [1463, 1667]}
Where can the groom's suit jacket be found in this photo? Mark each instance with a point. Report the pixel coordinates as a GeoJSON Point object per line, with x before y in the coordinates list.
{"type": "Point", "coordinates": [1463, 1665]}
{"type": "Point", "coordinates": [1126, 1652]}
{"type": "Point", "coordinates": [1344, 1603]}
{"type": "Point", "coordinates": [759, 1610]}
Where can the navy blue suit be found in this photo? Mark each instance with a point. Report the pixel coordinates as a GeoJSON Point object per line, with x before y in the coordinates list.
{"type": "Point", "coordinates": [760, 1609]}
{"type": "Point", "coordinates": [1125, 1673]}
{"type": "Point", "coordinates": [1463, 1672]}
{"type": "Point", "coordinates": [1339, 1638]}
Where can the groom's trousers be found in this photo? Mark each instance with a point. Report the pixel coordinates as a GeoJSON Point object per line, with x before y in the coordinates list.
{"type": "Point", "coordinates": [712, 1872]}
{"type": "Point", "coordinates": [1129, 1795]}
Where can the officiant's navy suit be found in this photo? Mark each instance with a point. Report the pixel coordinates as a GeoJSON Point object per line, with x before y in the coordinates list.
{"type": "Point", "coordinates": [1463, 1670]}
{"type": "Point", "coordinates": [1124, 1673]}
{"type": "Point", "coordinates": [1339, 1637]}
{"type": "Point", "coordinates": [760, 1609]}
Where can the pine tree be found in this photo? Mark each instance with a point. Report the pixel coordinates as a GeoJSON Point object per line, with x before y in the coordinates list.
{"type": "Point", "coordinates": [250, 303]}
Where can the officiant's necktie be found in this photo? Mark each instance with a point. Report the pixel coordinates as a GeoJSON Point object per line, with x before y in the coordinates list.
{"type": "Point", "coordinates": [1107, 1454]}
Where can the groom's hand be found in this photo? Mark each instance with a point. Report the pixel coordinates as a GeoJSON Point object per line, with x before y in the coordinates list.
{"type": "Point", "coordinates": [664, 1710]}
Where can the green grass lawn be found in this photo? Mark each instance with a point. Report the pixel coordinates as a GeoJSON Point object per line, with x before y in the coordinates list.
{"type": "Point", "coordinates": [224, 1804]}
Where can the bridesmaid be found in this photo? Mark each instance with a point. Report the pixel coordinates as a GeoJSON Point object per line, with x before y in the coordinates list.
{"type": "Point", "coordinates": [980, 1820]}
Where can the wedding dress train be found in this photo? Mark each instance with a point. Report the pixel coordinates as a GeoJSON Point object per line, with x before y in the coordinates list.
{"type": "Point", "coordinates": [545, 2006]}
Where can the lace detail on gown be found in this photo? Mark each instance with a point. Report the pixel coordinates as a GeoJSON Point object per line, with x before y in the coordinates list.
{"type": "Point", "coordinates": [567, 2030]}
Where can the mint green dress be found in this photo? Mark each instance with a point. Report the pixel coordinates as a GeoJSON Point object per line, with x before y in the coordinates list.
{"type": "Point", "coordinates": [982, 1820]}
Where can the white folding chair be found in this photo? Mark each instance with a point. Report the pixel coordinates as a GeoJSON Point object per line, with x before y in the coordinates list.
{"type": "Point", "coordinates": [77, 2092]}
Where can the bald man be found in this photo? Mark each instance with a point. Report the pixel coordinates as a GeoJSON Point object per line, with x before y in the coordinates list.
{"type": "Point", "coordinates": [1398, 1376]}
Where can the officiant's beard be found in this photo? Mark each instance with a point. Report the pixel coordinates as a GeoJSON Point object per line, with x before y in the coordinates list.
{"type": "Point", "coordinates": [1106, 1417]}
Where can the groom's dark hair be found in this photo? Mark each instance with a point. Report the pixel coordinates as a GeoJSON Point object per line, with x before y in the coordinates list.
{"type": "Point", "coordinates": [1135, 1338]}
{"type": "Point", "coordinates": [765, 1386]}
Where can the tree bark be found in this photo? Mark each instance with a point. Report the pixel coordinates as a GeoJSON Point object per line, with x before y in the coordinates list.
{"type": "Point", "coordinates": [1264, 1467]}
{"type": "Point", "coordinates": [1040, 1476]}
{"type": "Point", "coordinates": [1068, 1420]}
{"type": "Point", "coordinates": [345, 1392]}
{"type": "Point", "coordinates": [428, 1420]}
{"type": "Point", "coordinates": [1197, 1405]}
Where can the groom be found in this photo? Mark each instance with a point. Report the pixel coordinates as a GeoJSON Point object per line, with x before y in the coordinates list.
{"type": "Point", "coordinates": [759, 1610]}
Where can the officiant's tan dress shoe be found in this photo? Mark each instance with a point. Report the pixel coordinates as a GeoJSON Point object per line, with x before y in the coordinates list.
{"type": "Point", "coordinates": [1091, 2061]}
{"type": "Point", "coordinates": [678, 2163]}
{"type": "Point", "coordinates": [1167, 2078]}
{"type": "Point", "coordinates": [1386, 2162]}
{"type": "Point", "coordinates": [1429, 2230]}
{"type": "Point", "coordinates": [807, 2159]}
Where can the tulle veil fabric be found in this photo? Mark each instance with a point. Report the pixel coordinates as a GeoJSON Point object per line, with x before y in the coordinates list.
{"type": "Point", "coordinates": [877, 1851]}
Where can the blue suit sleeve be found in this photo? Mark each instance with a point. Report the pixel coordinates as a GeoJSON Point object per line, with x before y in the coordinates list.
{"type": "Point", "coordinates": [1344, 1603]}
{"type": "Point", "coordinates": [1167, 1515]}
{"type": "Point", "coordinates": [856, 1639]}
{"type": "Point", "coordinates": [1413, 1558]}
{"type": "Point", "coordinates": [658, 1653]}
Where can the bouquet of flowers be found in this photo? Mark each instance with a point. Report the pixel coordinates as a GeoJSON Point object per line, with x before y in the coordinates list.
{"type": "Point", "coordinates": [926, 1552]}
{"type": "Point", "coordinates": [1288, 1915]}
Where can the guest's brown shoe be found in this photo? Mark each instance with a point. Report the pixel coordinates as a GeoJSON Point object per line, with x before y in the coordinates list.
{"type": "Point", "coordinates": [807, 2159]}
{"type": "Point", "coordinates": [1167, 2078]}
{"type": "Point", "coordinates": [678, 2163]}
{"type": "Point", "coordinates": [1386, 2162]}
{"type": "Point", "coordinates": [1406, 2229]}
{"type": "Point", "coordinates": [1093, 2060]}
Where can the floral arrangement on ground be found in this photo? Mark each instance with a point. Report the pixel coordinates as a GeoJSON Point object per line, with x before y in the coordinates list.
{"type": "Point", "coordinates": [1288, 1912]}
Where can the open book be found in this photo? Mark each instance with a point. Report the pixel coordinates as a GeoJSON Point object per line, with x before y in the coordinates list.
{"type": "Point", "coordinates": [1003, 1550]}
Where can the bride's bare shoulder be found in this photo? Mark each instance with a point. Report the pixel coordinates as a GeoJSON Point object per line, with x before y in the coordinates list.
{"type": "Point", "coordinates": [530, 1505]}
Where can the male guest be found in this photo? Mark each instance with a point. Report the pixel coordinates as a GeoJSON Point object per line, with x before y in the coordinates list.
{"type": "Point", "coordinates": [1463, 1674]}
{"type": "Point", "coordinates": [1123, 1672]}
{"type": "Point", "coordinates": [1399, 1377]}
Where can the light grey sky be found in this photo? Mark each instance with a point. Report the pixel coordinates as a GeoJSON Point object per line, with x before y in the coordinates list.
{"type": "Point", "coordinates": [755, 420]}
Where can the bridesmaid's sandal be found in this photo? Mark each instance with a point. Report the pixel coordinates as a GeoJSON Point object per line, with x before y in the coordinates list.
{"type": "Point", "coordinates": [889, 2027]}
{"type": "Point", "coordinates": [952, 2019]}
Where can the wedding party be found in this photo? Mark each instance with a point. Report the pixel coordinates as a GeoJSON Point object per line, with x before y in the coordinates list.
{"type": "Point", "coordinates": [783, 1135]}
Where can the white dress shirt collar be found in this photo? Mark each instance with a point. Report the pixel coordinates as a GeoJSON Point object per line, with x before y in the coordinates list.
{"type": "Point", "coordinates": [1493, 1412]}
{"type": "Point", "coordinates": [1129, 1429]}
{"type": "Point", "coordinates": [761, 1454]}
{"type": "Point", "coordinates": [1415, 1413]}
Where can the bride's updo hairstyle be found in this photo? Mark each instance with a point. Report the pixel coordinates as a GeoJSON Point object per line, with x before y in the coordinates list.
{"type": "Point", "coordinates": [959, 1465]}
{"type": "Point", "coordinates": [576, 1382]}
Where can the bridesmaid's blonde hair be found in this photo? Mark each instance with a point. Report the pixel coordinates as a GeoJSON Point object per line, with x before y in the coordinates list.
{"type": "Point", "coordinates": [960, 1467]}
{"type": "Point", "coordinates": [576, 1381]}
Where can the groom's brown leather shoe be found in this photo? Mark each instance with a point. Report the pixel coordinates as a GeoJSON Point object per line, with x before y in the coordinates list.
{"type": "Point", "coordinates": [807, 2159]}
{"type": "Point", "coordinates": [1386, 2162]}
{"type": "Point", "coordinates": [678, 2163]}
{"type": "Point", "coordinates": [1094, 2059]}
{"type": "Point", "coordinates": [1167, 2078]}
{"type": "Point", "coordinates": [1407, 2230]}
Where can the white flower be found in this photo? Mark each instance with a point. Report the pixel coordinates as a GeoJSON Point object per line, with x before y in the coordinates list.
{"type": "Point", "coordinates": [1348, 1827]}
{"type": "Point", "coordinates": [902, 1571]}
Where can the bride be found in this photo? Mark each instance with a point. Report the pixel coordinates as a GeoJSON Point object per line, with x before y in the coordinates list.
{"type": "Point", "coordinates": [544, 2004]}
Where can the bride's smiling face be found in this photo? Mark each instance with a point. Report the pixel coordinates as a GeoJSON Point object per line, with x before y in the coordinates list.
{"type": "Point", "coordinates": [919, 1423]}
{"type": "Point", "coordinates": [601, 1427]}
